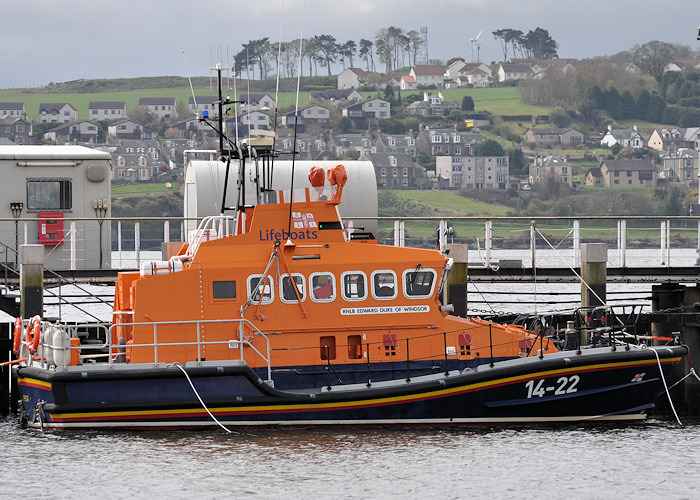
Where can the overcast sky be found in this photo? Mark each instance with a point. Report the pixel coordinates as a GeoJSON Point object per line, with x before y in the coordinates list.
{"type": "Point", "coordinates": [54, 41]}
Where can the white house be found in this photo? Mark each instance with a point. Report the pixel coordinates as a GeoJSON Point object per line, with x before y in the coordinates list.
{"type": "Point", "coordinates": [57, 112]}
{"type": "Point", "coordinates": [351, 78]}
{"type": "Point", "coordinates": [627, 138]}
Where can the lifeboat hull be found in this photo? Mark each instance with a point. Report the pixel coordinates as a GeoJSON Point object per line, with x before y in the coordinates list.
{"type": "Point", "coordinates": [597, 385]}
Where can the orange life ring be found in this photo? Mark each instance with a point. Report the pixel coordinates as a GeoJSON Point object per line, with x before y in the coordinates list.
{"type": "Point", "coordinates": [17, 341]}
{"type": "Point", "coordinates": [33, 337]}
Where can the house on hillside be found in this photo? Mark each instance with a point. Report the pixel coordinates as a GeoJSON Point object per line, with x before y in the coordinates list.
{"type": "Point", "coordinates": [257, 102]}
{"type": "Point", "coordinates": [462, 74]}
{"type": "Point", "coordinates": [17, 129]}
{"type": "Point", "coordinates": [314, 114]}
{"type": "Point", "coordinates": [57, 112]}
{"type": "Point", "coordinates": [336, 96]}
{"type": "Point", "coordinates": [474, 172]}
{"type": "Point", "coordinates": [682, 166]}
{"type": "Point", "coordinates": [674, 138]}
{"type": "Point", "coordinates": [352, 78]}
{"type": "Point", "coordinates": [204, 103]}
{"type": "Point", "coordinates": [350, 145]}
{"type": "Point", "coordinates": [396, 144]}
{"type": "Point", "coordinates": [627, 138]}
{"type": "Point", "coordinates": [407, 83]}
{"type": "Point", "coordinates": [431, 105]}
{"type": "Point", "coordinates": [508, 71]}
{"type": "Point", "coordinates": [162, 107]}
{"type": "Point", "coordinates": [448, 142]}
{"type": "Point", "coordinates": [255, 120]}
{"type": "Point", "coordinates": [106, 110]}
{"type": "Point", "coordinates": [622, 174]}
{"type": "Point", "coordinates": [550, 167]}
{"type": "Point", "coordinates": [81, 131]}
{"type": "Point", "coordinates": [136, 161]}
{"type": "Point", "coordinates": [12, 109]}
{"type": "Point", "coordinates": [396, 170]}
{"type": "Point", "coordinates": [427, 76]}
{"type": "Point", "coordinates": [544, 137]}
{"type": "Point", "coordinates": [364, 111]}
{"type": "Point", "coordinates": [125, 129]}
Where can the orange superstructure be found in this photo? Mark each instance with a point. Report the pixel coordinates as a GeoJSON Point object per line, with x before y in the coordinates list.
{"type": "Point", "coordinates": [317, 294]}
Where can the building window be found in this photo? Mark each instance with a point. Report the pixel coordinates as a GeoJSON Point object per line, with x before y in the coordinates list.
{"type": "Point", "coordinates": [49, 194]}
{"type": "Point", "coordinates": [392, 161]}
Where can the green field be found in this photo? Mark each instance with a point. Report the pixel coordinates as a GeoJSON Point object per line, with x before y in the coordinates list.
{"type": "Point", "coordinates": [150, 189]}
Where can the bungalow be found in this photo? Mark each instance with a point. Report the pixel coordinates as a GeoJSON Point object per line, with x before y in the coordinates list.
{"type": "Point", "coordinates": [350, 145]}
{"type": "Point", "coordinates": [162, 107]}
{"type": "Point", "coordinates": [507, 71]}
{"type": "Point", "coordinates": [57, 112]}
{"type": "Point", "coordinates": [12, 109]}
{"type": "Point", "coordinates": [363, 111]}
{"type": "Point", "coordinates": [627, 138]}
{"type": "Point", "coordinates": [622, 173]}
{"type": "Point", "coordinates": [82, 131]}
{"type": "Point", "coordinates": [543, 137]}
{"type": "Point", "coordinates": [336, 95]}
{"type": "Point", "coordinates": [427, 76]}
{"type": "Point", "coordinates": [107, 110]}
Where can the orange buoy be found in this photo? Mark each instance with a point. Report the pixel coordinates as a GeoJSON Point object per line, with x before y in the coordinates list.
{"type": "Point", "coordinates": [17, 341]}
{"type": "Point", "coordinates": [33, 333]}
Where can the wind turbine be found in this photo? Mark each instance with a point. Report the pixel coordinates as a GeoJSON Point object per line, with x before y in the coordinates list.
{"type": "Point", "coordinates": [474, 40]}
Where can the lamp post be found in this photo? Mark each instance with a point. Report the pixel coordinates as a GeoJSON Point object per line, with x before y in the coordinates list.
{"type": "Point", "coordinates": [16, 208]}
{"type": "Point", "coordinates": [100, 207]}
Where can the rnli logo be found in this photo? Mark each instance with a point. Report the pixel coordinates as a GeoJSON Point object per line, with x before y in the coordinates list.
{"type": "Point", "coordinates": [302, 220]}
{"type": "Point", "coordinates": [638, 377]}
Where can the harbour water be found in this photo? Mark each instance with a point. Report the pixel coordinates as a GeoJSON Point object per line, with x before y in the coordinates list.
{"type": "Point", "coordinates": [655, 459]}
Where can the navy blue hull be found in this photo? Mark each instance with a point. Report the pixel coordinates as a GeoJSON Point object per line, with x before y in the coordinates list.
{"type": "Point", "coordinates": [599, 384]}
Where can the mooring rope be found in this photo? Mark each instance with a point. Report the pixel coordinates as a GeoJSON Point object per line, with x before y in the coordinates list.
{"type": "Point", "coordinates": [668, 394]}
{"type": "Point", "coordinates": [198, 397]}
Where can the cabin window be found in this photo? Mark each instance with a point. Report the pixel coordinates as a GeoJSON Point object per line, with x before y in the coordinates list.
{"type": "Point", "coordinates": [258, 292]}
{"type": "Point", "coordinates": [418, 283]}
{"type": "Point", "coordinates": [327, 345]}
{"type": "Point", "coordinates": [384, 285]}
{"type": "Point", "coordinates": [354, 347]}
{"type": "Point", "coordinates": [390, 344]}
{"type": "Point", "coordinates": [354, 285]}
{"type": "Point", "coordinates": [223, 290]}
{"type": "Point", "coordinates": [322, 287]}
{"type": "Point", "coordinates": [287, 292]}
{"type": "Point", "coordinates": [49, 194]}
